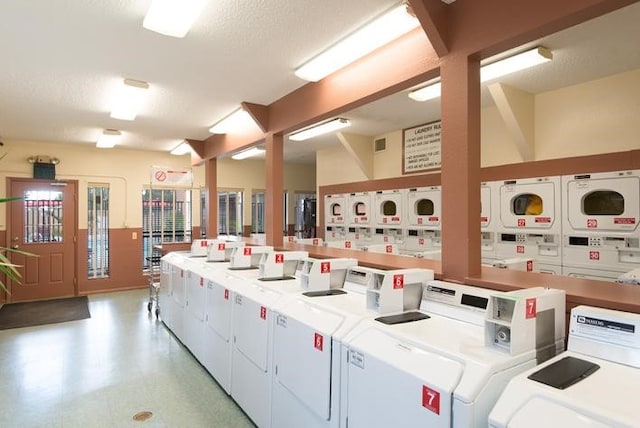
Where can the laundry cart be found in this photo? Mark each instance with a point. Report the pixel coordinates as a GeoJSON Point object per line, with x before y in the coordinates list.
{"type": "Point", "coordinates": [335, 217]}
{"type": "Point", "coordinates": [596, 383]}
{"type": "Point", "coordinates": [424, 216]}
{"type": "Point", "coordinates": [153, 273]}
{"type": "Point", "coordinates": [601, 234]}
{"type": "Point", "coordinates": [530, 224]}
{"type": "Point", "coordinates": [360, 218]}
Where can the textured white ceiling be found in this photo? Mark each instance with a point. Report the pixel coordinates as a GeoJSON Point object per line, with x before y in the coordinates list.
{"type": "Point", "coordinates": [61, 60]}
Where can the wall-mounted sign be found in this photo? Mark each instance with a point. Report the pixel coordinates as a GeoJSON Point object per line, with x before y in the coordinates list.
{"type": "Point", "coordinates": [169, 177]}
{"type": "Point", "coordinates": [421, 148]}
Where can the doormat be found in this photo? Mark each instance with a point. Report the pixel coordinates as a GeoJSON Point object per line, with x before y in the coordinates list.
{"type": "Point", "coordinates": [28, 314]}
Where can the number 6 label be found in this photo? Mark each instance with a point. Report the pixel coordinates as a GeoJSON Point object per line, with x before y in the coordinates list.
{"type": "Point", "coordinates": [398, 282]}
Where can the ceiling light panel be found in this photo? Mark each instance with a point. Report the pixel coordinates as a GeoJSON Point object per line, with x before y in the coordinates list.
{"type": "Point", "coordinates": [237, 121]}
{"type": "Point", "coordinates": [254, 151]}
{"type": "Point", "coordinates": [181, 149]}
{"type": "Point", "coordinates": [378, 33]}
{"type": "Point", "coordinates": [128, 99]}
{"type": "Point", "coordinates": [172, 17]}
{"type": "Point", "coordinates": [108, 139]}
{"type": "Point", "coordinates": [323, 128]}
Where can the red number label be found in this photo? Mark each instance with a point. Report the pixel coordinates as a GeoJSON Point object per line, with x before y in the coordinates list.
{"type": "Point", "coordinates": [247, 251]}
{"type": "Point", "coordinates": [263, 312]}
{"type": "Point", "coordinates": [594, 255]}
{"type": "Point", "coordinates": [201, 282]}
{"type": "Point", "coordinates": [221, 246]}
{"type": "Point", "coordinates": [529, 265]}
{"type": "Point", "coordinates": [520, 249]}
{"type": "Point", "coordinates": [385, 239]}
{"type": "Point", "coordinates": [357, 236]}
{"type": "Point", "coordinates": [419, 220]}
{"type": "Point", "coordinates": [291, 239]}
{"type": "Point", "coordinates": [531, 308]}
{"type": "Point", "coordinates": [318, 341]}
{"type": "Point", "coordinates": [420, 241]}
{"type": "Point", "coordinates": [325, 267]}
{"type": "Point", "coordinates": [431, 399]}
{"type": "Point", "coordinates": [389, 248]}
{"type": "Point", "coordinates": [398, 282]}
{"type": "Point", "coordinates": [347, 244]}
{"type": "Point", "coordinates": [226, 294]}
{"type": "Point", "coordinates": [315, 242]}
{"type": "Point", "coordinates": [522, 222]}
{"type": "Point", "coordinates": [384, 220]}
{"type": "Point", "coordinates": [204, 243]}
{"type": "Point", "coordinates": [279, 258]}
{"type": "Point", "coordinates": [592, 223]}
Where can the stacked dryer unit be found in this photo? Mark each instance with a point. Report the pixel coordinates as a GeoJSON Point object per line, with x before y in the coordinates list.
{"type": "Point", "coordinates": [530, 222]}
{"type": "Point", "coordinates": [424, 216]}
{"type": "Point", "coordinates": [335, 216]}
{"type": "Point", "coordinates": [389, 216]}
{"type": "Point", "coordinates": [360, 219]}
{"type": "Point", "coordinates": [601, 233]}
{"type": "Point", "coordinates": [596, 383]}
{"type": "Point", "coordinates": [489, 209]}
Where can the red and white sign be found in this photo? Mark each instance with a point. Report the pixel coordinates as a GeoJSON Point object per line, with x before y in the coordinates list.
{"type": "Point", "coordinates": [170, 177]}
{"type": "Point", "coordinates": [592, 223]}
{"type": "Point", "coordinates": [389, 248]}
{"type": "Point", "coordinates": [318, 341]}
{"type": "Point", "coordinates": [279, 258]}
{"type": "Point", "coordinates": [434, 218]}
{"type": "Point", "coordinates": [522, 222]}
{"type": "Point", "coordinates": [529, 265]}
{"type": "Point", "coordinates": [395, 218]}
{"type": "Point", "coordinates": [520, 249]}
{"type": "Point", "coordinates": [594, 255]}
{"type": "Point", "coordinates": [247, 251]}
{"type": "Point", "coordinates": [431, 399]}
{"type": "Point", "coordinates": [226, 294]}
{"type": "Point", "coordinates": [263, 312]}
{"type": "Point", "coordinates": [398, 282]}
{"type": "Point", "coordinates": [347, 244]}
{"type": "Point", "coordinates": [204, 243]}
{"type": "Point", "coordinates": [543, 220]}
{"type": "Point", "coordinates": [624, 220]}
{"type": "Point", "coordinates": [530, 308]}
{"type": "Point", "coordinates": [325, 267]}
{"type": "Point", "coordinates": [221, 246]}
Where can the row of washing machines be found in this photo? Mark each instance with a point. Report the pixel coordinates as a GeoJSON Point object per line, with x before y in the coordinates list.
{"type": "Point", "coordinates": [580, 225]}
{"type": "Point", "coordinates": [301, 342]}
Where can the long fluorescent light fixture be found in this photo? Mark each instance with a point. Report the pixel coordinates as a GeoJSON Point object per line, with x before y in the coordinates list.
{"type": "Point", "coordinates": [236, 121]}
{"type": "Point", "coordinates": [254, 151]}
{"type": "Point", "coordinates": [377, 33]}
{"type": "Point", "coordinates": [181, 149]}
{"type": "Point", "coordinates": [172, 17]}
{"type": "Point", "coordinates": [128, 99]}
{"type": "Point", "coordinates": [108, 139]}
{"type": "Point", "coordinates": [492, 71]}
{"type": "Point", "coordinates": [323, 128]}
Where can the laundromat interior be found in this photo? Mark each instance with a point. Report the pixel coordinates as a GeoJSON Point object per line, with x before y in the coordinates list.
{"type": "Point", "coordinates": [320, 214]}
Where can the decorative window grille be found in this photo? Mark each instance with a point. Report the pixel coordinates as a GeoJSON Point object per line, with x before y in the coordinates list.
{"type": "Point", "coordinates": [98, 231]}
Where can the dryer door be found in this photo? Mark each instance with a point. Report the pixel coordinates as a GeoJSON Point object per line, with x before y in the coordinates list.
{"type": "Point", "coordinates": [531, 204]}
{"type": "Point", "coordinates": [360, 210]}
{"type": "Point", "coordinates": [335, 210]}
{"type": "Point", "coordinates": [424, 207]}
{"type": "Point", "coordinates": [391, 383]}
{"type": "Point", "coordinates": [603, 202]}
{"type": "Point", "coordinates": [302, 354]}
{"type": "Point", "coordinates": [388, 206]}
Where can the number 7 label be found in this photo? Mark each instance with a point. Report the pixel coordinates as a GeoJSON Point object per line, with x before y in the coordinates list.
{"type": "Point", "coordinates": [531, 308]}
{"type": "Point", "coordinates": [431, 399]}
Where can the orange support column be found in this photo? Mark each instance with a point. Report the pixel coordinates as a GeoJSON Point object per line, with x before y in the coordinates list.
{"type": "Point", "coordinates": [273, 194]}
{"type": "Point", "coordinates": [460, 76]}
{"type": "Point", "coordinates": [211, 179]}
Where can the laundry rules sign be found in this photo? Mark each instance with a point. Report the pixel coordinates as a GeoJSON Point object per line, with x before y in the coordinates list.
{"type": "Point", "coordinates": [421, 148]}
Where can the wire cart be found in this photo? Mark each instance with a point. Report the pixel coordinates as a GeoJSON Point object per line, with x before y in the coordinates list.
{"type": "Point", "coordinates": [154, 281]}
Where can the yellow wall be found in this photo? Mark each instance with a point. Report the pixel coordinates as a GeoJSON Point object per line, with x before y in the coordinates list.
{"type": "Point", "coordinates": [335, 166]}
{"type": "Point", "coordinates": [388, 163]}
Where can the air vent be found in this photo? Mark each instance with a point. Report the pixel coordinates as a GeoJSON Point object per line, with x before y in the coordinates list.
{"type": "Point", "coordinates": [380, 145]}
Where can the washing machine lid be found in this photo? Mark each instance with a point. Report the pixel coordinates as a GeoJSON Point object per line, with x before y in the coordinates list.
{"type": "Point", "coordinates": [587, 211]}
{"type": "Point", "coordinates": [303, 354]}
{"type": "Point", "coordinates": [539, 412]}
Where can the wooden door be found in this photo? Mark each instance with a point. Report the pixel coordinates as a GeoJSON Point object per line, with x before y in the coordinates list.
{"type": "Point", "coordinates": [43, 223]}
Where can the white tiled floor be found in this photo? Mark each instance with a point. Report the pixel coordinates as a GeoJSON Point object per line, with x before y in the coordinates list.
{"type": "Point", "coordinates": [101, 371]}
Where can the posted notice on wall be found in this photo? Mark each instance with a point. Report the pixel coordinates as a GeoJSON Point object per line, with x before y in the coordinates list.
{"type": "Point", "coordinates": [171, 177]}
{"type": "Point", "coordinates": [421, 148]}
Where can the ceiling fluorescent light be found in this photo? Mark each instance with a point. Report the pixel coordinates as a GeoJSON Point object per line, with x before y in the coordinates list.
{"type": "Point", "coordinates": [254, 151]}
{"type": "Point", "coordinates": [236, 121]}
{"type": "Point", "coordinates": [108, 139]}
{"type": "Point", "coordinates": [323, 128]}
{"type": "Point", "coordinates": [426, 93]}
{"type": "Point", "coordinates": [378, 33]}
{"type": "Point", "coordinates": [128, 99]}
{"type": "Point", "coordinates": [181, 149]}
{"type": "Point", "coordinates": [515, 63]}
{"type": "Point", "coordinates": [172, 17]}
{"type": "Point", "coordinates": [492, 71]}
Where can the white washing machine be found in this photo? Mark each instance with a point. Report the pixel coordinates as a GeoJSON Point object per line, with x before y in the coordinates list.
{"type": "Point", "coordinates": [173, 311]}
{"type": "Point", "coordinates": [596, 383]}
{"type": "Point", "coordinates": [447, 367]}
{"type": "Point", "coordinates": [530, 223]}
{"type": "Point", "coordinates": [194, 307]}
{"type": "Point", "coordinates": [307, 336]}
{"type": "Point", "coordinates": [601, 233]}
{"type": "Point", "coordinates": [389, 216]}
{"type": "Point", "coordinates": [489, 209]}
{"type": "Point", "coordinates": [424, 216]}
{"type": "Point", "coordinates": [360, 218]}
{"type": "Point", "coordinates": [335, 216]}
{"type": "Point", "coordinates": [167, 266]}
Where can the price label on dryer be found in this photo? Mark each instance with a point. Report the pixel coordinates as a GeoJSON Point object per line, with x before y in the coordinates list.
{"type": "Point", "coordinates": [398, 282]}
{"type": "Point", "coordinates": [530, 308]}
{"type": "Point", "coordinates": [431, 399]}
{"type": "Point", "coordinates": [221, 246]}
{"type": "Point", "coordinates": [318, 341]}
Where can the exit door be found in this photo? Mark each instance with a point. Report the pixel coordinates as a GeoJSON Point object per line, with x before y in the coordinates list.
{"type": "Point", "coordinates": [43, 223]}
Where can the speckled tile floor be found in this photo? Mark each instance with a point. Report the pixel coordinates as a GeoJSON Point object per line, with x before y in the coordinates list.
{"type": "Point", "coordinates": [102, 371]}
